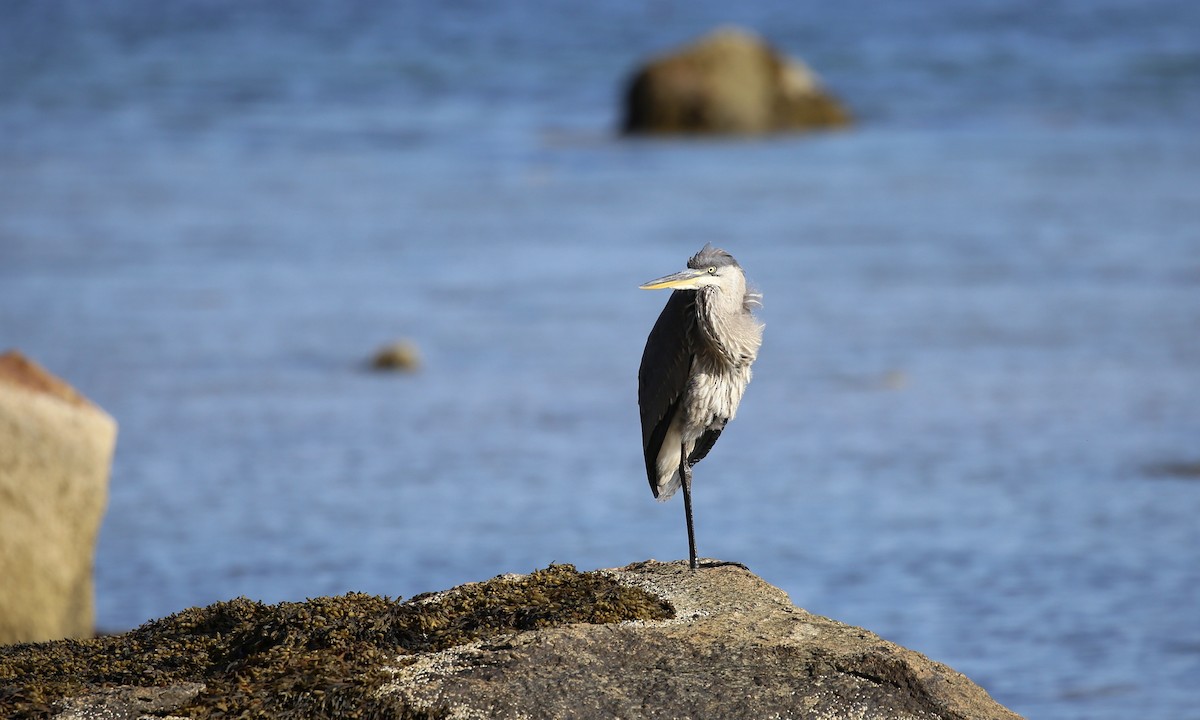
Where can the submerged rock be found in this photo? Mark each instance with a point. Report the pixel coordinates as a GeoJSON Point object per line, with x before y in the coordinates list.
{"type": "Point", "coordinates": [400, 355]}
{"type": "Point", "coordinates": [648, 640]}
{"type": "Point", "coordinates": [1179, 469]}
{"type": "Point", "coordinates": [729, 82]}
{"type": "Point", "coordinates": [56, 451]}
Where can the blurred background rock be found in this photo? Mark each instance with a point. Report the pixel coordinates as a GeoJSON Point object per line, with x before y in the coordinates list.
{"type": "Point", "coordinates": [55, 453]}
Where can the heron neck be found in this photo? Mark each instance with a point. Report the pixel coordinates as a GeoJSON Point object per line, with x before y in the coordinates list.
{"type": "Point", "coordinates": [716, 315]}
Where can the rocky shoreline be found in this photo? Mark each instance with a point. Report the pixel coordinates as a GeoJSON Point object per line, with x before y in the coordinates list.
{"type": "Point", "coordinates": [647, 640]}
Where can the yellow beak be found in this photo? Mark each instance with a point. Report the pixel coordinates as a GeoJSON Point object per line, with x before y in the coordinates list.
{"type": "Point", "coordinates": [684, 280]}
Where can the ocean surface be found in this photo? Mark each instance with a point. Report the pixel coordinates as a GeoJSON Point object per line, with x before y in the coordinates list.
{"type": "Point", "coordinates": [975, 422]}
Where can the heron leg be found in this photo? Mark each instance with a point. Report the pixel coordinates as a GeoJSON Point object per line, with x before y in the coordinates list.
{"type": "Point", "coordinates": [685, 478]}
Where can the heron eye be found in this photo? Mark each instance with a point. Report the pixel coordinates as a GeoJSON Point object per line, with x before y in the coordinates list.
{"type": "Point", "coordinates": [712, 271]}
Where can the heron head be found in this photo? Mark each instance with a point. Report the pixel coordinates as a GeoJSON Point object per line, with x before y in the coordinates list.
{"type": "Point", "coordinates": [709, 267]}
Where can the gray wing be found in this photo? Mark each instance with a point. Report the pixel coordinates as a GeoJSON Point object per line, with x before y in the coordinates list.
{"type": "Point", "coordinates": [663, 375]}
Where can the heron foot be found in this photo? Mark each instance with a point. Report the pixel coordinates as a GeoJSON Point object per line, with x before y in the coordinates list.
{"type": "Point", "coordinates": [724, 563]}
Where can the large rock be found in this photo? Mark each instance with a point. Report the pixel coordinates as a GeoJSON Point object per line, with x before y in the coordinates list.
{"type": "Point", "coordinates": [737, 648]}
{"type": "Point", "coordinates": [55, 454]}
{"type": "Point", "coordinates": [728, 82]}
{"type": "Point", "coordinates": [647, 640]}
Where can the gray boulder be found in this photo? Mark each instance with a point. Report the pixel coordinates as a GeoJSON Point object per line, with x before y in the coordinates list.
{"type": "Point", "coordinates": [650, 640]}
{"type": "Point", "coordinates": [736, 648]}
{"type": "Point", "coordinates": [728, 82]}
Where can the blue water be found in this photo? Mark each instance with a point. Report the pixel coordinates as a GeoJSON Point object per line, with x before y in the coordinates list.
{"type": "Point", "coordinates": [982, 310]}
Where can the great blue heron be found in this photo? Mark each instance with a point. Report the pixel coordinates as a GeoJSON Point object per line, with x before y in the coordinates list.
{"type": "Point", "coordinates": [695, 367]}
